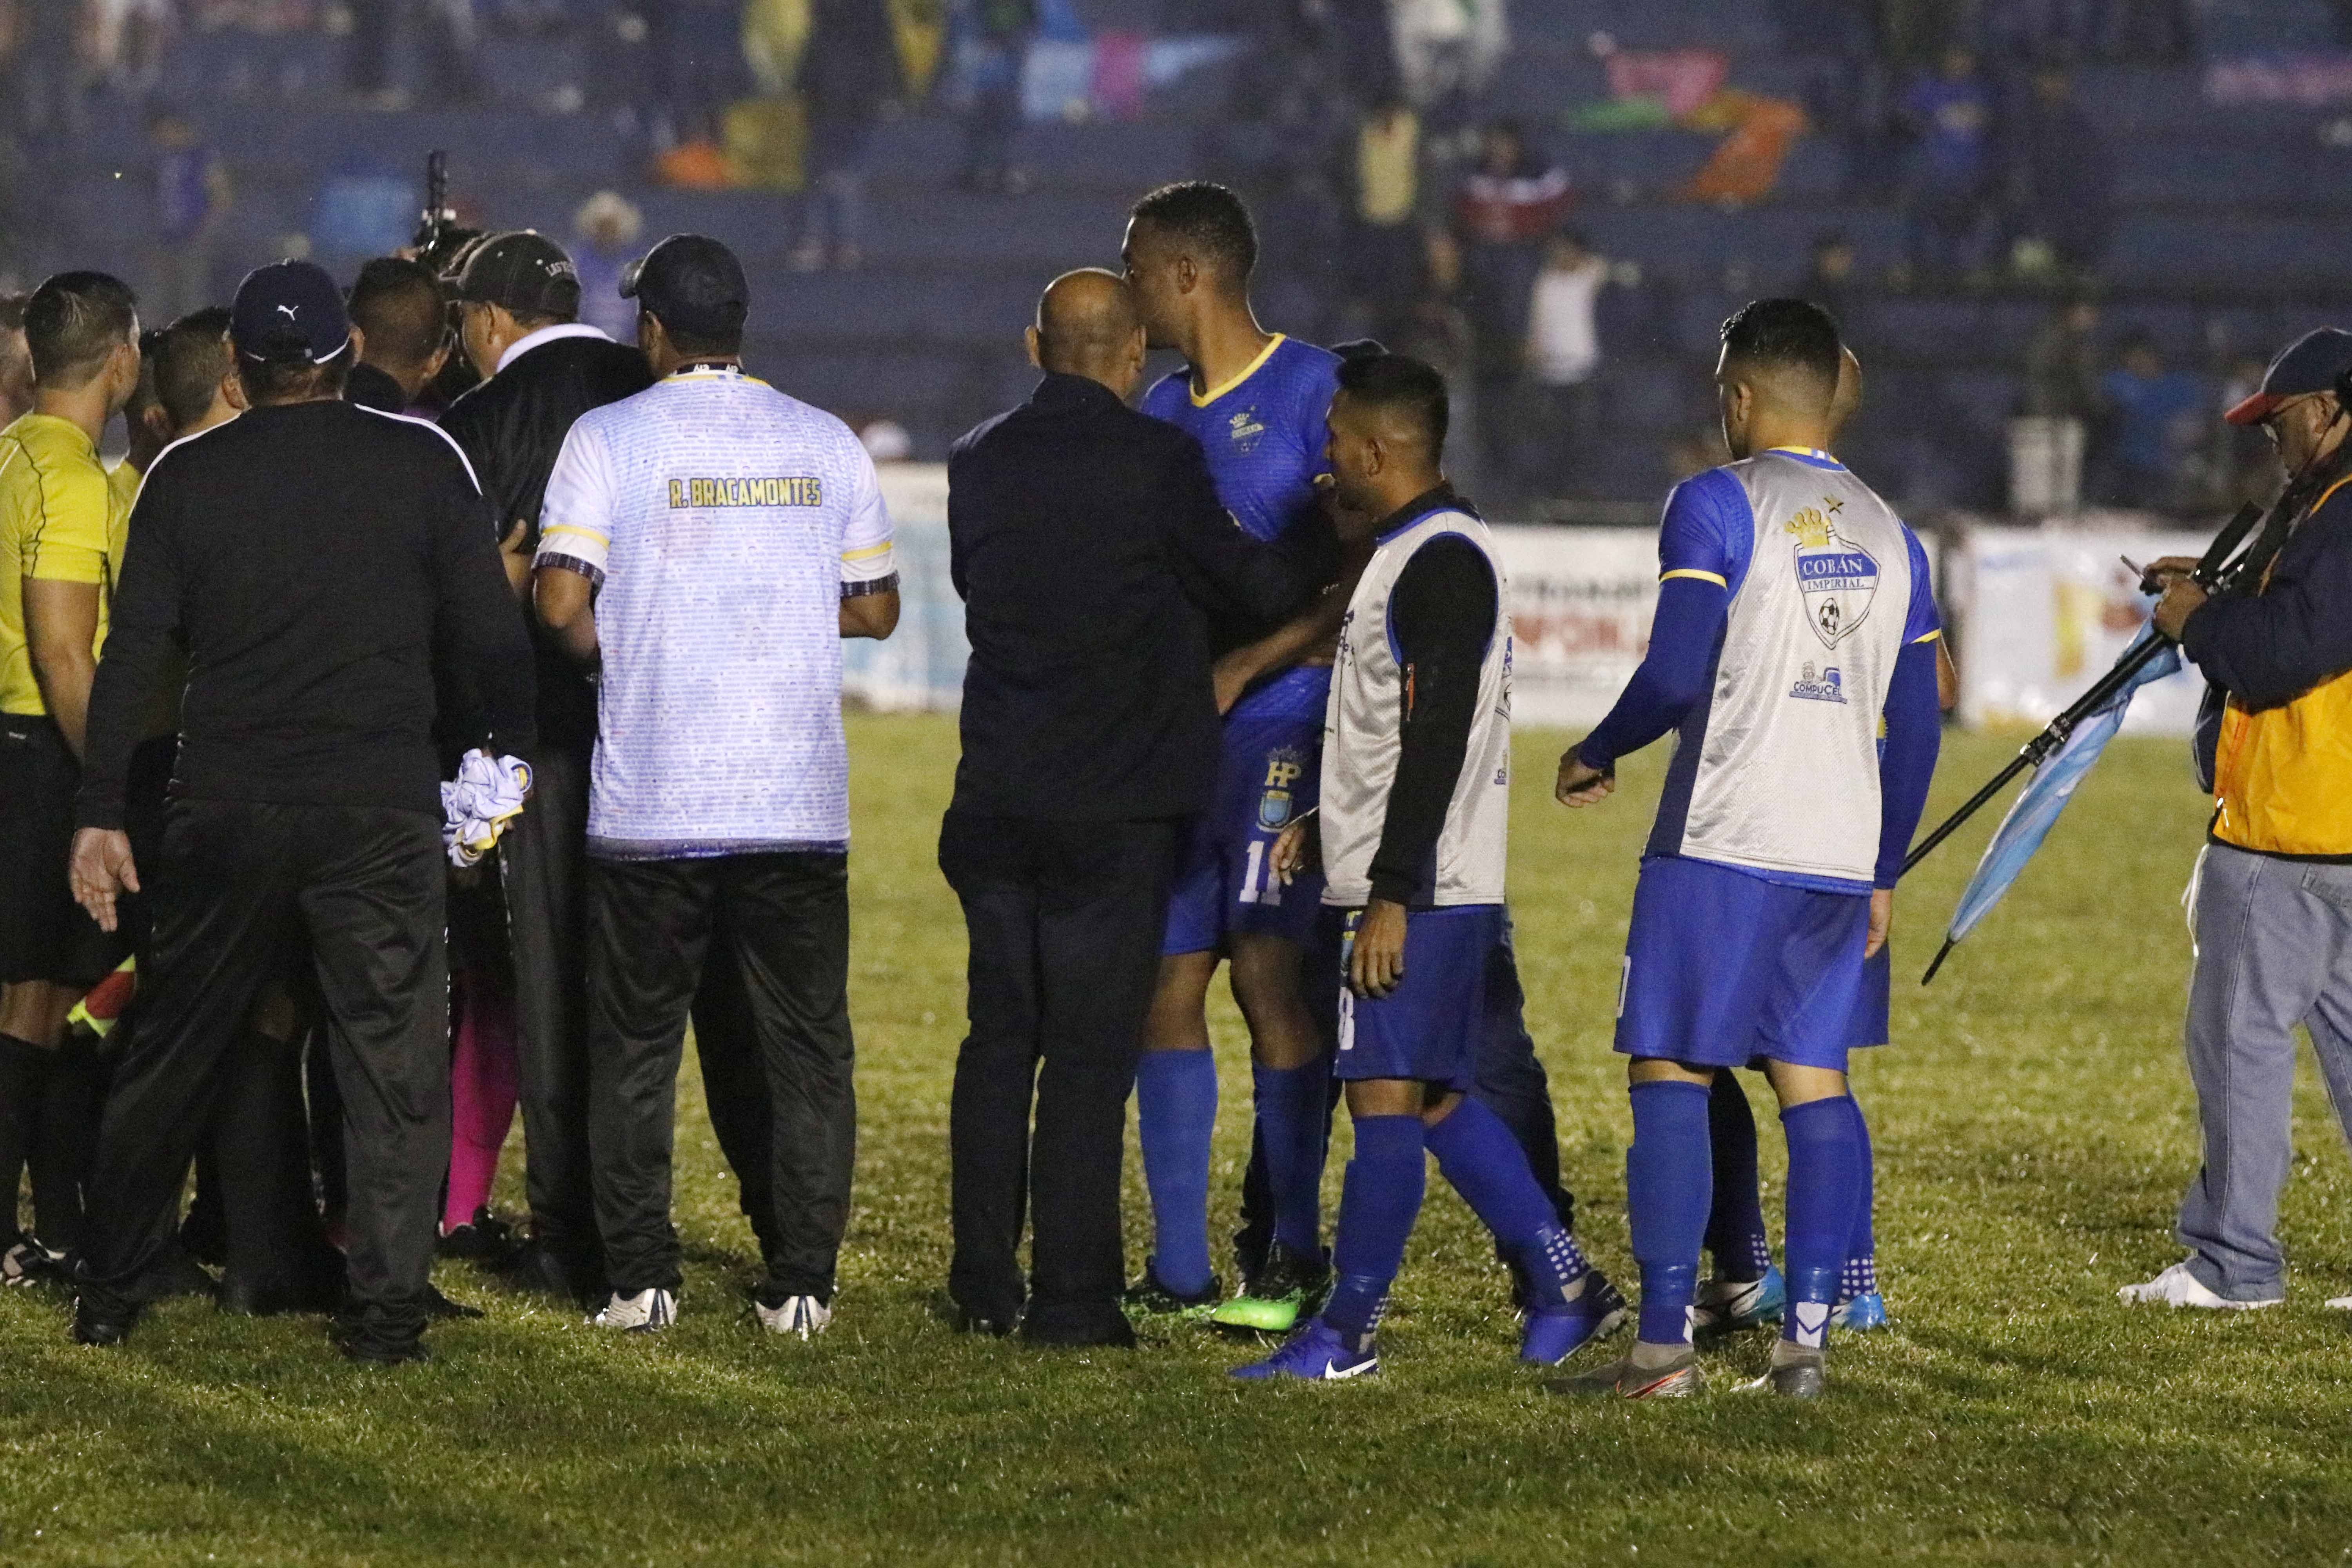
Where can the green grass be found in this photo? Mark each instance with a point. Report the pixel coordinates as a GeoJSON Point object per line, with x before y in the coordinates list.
{"type": "Point", "coordinates": [2033, 1129]}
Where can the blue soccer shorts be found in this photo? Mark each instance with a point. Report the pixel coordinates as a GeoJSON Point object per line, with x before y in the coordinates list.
{"type": "Point", "coordinates": [1724, 968]}
{"type": "Point", "coordinates": [1267, 772]}
{"type": "Point", "coordinates": [1429, 1027]}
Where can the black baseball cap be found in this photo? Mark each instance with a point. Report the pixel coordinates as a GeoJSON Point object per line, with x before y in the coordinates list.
{"type": "Point", "coordinates": [2312, 362]}
{"type": "Point", "coordinates": [289, 313]}
{"type": "Point", "coordinates": [523, 270]}
{"type": "Point", "coordinates": [691, 284]}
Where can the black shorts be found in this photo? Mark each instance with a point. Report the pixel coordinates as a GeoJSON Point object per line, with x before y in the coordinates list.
{"type": "Point", "coordinates": [44, 934]}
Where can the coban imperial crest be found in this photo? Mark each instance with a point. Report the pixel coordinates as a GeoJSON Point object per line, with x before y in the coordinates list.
{"type": "Point", "coordinates": [805, 490]}
{"type": "Point", "coordinates": [1837, 577]}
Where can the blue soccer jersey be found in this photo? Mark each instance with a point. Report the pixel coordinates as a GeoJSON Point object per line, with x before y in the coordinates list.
{"type": "Point", "coordinates": [1262, 431]}
{"type": "Point", "coordinates": [1264, 434]}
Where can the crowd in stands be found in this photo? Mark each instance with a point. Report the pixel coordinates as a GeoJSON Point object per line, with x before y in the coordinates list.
{"type": "Point", "coordinates": [1411, 193]}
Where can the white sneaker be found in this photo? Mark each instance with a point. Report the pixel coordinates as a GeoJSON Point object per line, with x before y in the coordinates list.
{"type": "Point", "coordinates": [801, 1315]}
{"type": "Point", "coordinates": [2176, 1287]}
{"type": "Point", "coordinates": [647, 1311]}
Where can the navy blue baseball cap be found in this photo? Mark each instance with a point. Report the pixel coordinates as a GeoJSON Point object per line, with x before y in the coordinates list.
{"type": "Point", "coordinates": [691, 284]}
{"type": "Point", "coordinates": [289, 313]}
{"type": "Point", "coordinates": [2312, 362]}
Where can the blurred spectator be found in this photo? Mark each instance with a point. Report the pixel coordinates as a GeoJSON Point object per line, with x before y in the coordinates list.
{"type": "Point", "coordinates": [997, 38]}
{"type": "Point", "coordinates": [2061, 402]}
{"type": "Point", "coordinates": [2061, 366]}
{"type": "Point", "coordinates": [2062, 177]}
{"type": "Point", "coordinates": [885, 440]}
{"type": "Point", "coordinates": [2158, 416]}
{"type": "Point", "coordinates": [2245, 464]}
{"type": "Point", "coordinates": [1950, 115]}
{"type": "Point", "coordinates": [367, 53]}
{"type": "Point", "coordinates": [15, 360]}
{"type": "Point", "coordinates": [123, 43]}
{"type": "Point", "coordinates": [848, 71]}
{"type": "Point", "coordinates": [1507, 207]}
{"type": "Point", "coordinates": [1446, 49]}
{"type": "Point", "coordinates": [192, 197]}
{"type": "Point", "coordinates": [606, 226]}
{"type": "Point", "coordinates": [1385, 250]}
{"type": "Point", "coordinates": [449, 44]}
{"type": "Point", "coordinates": [1561, 402]}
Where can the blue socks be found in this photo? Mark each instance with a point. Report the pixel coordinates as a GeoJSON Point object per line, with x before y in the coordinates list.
{"type": "Point", "coordinates": [1668, 1182]}
{"type": "Point", "coordinates": [1378, 1204]}
{"type": "Point", "coordinates": [1479, 1157]}
{"type": "Point", "coordinates": [1735, 1224]}
{"type": "Point", "coordinates": [1176, 1115]}
{"type": "Point", "coordinates": [1825, 1175]}
{"type": "Point", "coordinates": [1293, 1121]}
{"type": "Point", "coordinates": [1860, 1275]}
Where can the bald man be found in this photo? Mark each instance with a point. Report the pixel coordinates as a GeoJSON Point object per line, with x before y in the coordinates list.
{"type": "Point", "coordinates": [1093, 556]}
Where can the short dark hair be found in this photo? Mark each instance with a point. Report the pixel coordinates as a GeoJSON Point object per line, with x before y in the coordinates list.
{"type": "Point", "coordinates": [1400, 384]}
{"type": "Point", "coordinates": [693, 343]}
{"type": "Point", "coordinates": [400, 306]}
{"type": "Point", "coordinates": [293, 380]}
{"type": "Point", "coordinates": [1786, 334]}
{"type": "Point", "coordinates": [12, 312]}
{"type": "Point", "coordinates": [73, 322]}
{"type": "Point", "coordinates": [142, 395]}
{"type": "Point", "coordinates": [190, 356]}
{"type": "Point", "coordinates": [1209, 218]}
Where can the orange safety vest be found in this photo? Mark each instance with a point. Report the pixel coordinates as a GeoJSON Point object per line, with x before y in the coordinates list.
{"type": "Point", "coordinates": [2282, 777]}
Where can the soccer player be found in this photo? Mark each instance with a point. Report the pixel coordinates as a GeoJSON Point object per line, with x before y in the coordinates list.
{"type": "Point", "coordinates": [1257, 402]}
{"type": "Point", "coordinates": [1746, 1290]}
{"type": "Point", "coordinates": [1794, 615]}
{"type": "Point", "coordinates": [62, 532]}
{"type": "Point", "coordinates": [1413, 830]}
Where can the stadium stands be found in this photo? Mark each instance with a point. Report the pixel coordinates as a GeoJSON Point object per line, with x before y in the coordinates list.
{"type": "Point", "coordinates": [2230, 235]}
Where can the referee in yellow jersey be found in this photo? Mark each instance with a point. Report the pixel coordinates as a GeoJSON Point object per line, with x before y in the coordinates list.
{"type": "Point", "coordinates": [61, 537]}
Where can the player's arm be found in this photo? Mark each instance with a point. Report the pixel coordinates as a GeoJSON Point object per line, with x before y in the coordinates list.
{"type": "Point", "coordinates": [1315, 630]}
{"type": "Point", "coordinates": [61, 629]}
{"type": "Point", "coordinates": [1705, 524]}
{"type": "Point", "coordinates": [483, 627]}
{"type": "Point", "coordinates": [1906, 764]}
{"type": "Point", "coordinates": [1441, 616]}
{"type": "Point", "coordinates": [575, 541]}
{"type": "Point", "coordinates": [141, 626]}
{"type": "Point", "coordinates": [869, 569]}
{"type": "Point", "coordinates": [1222, 571]}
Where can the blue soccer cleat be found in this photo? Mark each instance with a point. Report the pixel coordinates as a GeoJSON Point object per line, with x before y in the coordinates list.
{"type": "Point", "coordinates": [1315, 1354]}
{"type": "Point", "coordinates": [1551, 1334]}
{"type": "Point", "coordinates": [1724, 1305]}
{"type": "Point", "coordinates": [1860, 1315]}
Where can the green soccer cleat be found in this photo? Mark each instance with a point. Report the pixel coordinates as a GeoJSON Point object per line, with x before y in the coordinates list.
{"type": "Point", "coordinates": [1148, 1298]}
{"type": "Point", "coordinates": [1289, 1287]}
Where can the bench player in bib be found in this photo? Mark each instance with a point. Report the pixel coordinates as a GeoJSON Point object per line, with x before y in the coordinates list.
{"type": "Point", "coordinates": [1794, 615]}
{"type": "Point", "coordinates": [1414, 825]}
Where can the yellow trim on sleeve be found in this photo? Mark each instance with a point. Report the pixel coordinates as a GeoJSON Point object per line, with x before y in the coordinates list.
{"type": "Point", "coordinates": [584, 531]}
{"type": "Point", "coordinates": [1929, 637]}
{"type": "Point", "coordinates": [868, 553]}
{"type": "Point", "coordinates": [1693, 571]}
{"type": "Point", "coordinates": [2329, 492]}
{"type": "Point", "coordinates": [1202, 399]}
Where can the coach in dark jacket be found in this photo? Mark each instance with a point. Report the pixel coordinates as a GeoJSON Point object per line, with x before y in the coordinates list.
{"type": "Point", "coordinates": [1091, 550]}
{"type": "Point", "coordinates": [319, 559]}
{"type": "Point", "coordinates": [518, 300]}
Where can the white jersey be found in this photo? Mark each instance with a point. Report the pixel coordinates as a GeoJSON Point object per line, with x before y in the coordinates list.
{"type": "Point", "coordinates": [723, 522]}
{"type": "Point", "coordinates": [1777, 769]}
{"type": "Point", "coordinates": [1363, 736]}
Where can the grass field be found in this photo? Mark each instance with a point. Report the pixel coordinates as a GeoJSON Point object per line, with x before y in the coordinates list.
{"type": "Point", "coordinates": [2033, 1128]}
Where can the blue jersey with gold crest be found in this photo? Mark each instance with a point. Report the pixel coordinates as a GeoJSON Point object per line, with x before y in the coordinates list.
{"type": "Point", "coordinates": [1262, 431]}
{"type": "Point", "coordinates": [1264, 434]}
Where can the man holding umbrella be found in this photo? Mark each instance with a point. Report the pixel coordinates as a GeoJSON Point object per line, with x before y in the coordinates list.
{"type": "Point", "coordinates": [2273, 895]}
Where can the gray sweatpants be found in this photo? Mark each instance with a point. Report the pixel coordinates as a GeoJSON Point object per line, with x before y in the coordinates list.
{"type": "Point", "coordinates": [2273, 949]}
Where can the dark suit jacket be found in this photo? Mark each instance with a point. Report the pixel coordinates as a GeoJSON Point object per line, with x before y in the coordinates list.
{"type": "Point", "coordinates": [1091, 550]}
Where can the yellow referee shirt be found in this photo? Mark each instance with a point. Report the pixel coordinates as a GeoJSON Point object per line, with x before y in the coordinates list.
{"type": "Point", "coordinates": [62, 520]}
